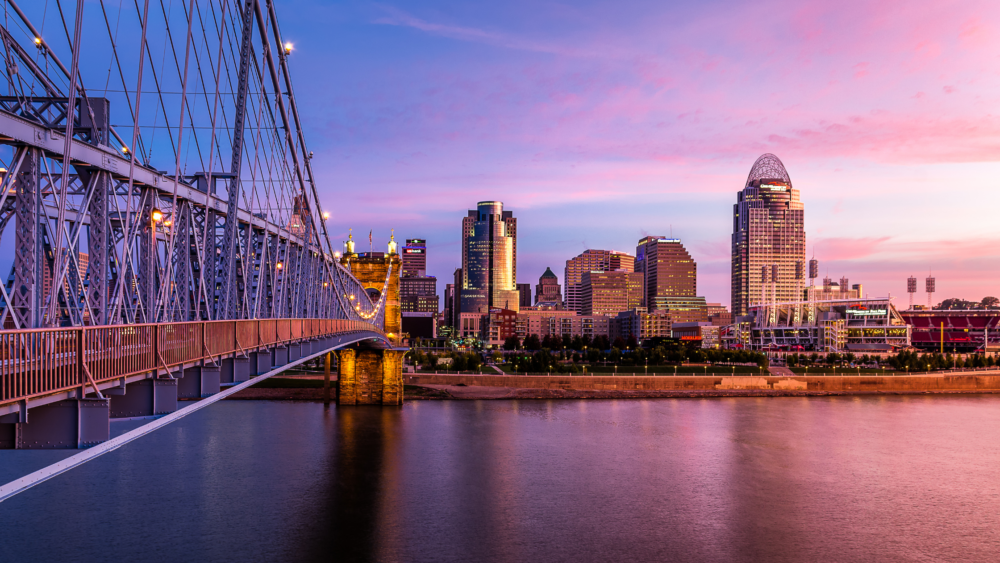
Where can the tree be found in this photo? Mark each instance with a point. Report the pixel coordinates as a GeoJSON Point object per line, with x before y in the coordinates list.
{"type": "Point", "coordinates": [632, 343]}
{"type": "Point", "coordinates": [990, 301]}
{"type": "Point", "coordinates": [548, 342]}
{"type": "Point", "coordinates": [619, 343]}
{"type": "Point", "coordinates": [531, 342]}
{"type": "Point", "coordinates": [512, 343]}
{"type": "Point", "coordinates": [601, 342]}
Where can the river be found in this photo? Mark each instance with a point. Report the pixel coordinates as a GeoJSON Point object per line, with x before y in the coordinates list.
{"type": "Point", "coordinates": [896, 478]}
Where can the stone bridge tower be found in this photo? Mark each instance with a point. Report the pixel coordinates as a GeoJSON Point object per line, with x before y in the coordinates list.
{"type": "Point", "coordinates": [373, 376]}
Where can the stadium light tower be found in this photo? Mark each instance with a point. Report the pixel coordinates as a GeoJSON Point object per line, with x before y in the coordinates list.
{"type": "Point", "coordinates": [929, 287]}
{"type": "Point", "coordinates": [911, 288]}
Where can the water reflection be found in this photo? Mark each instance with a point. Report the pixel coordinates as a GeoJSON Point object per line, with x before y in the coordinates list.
{"type": "Point", "coordinates": [792, 479]}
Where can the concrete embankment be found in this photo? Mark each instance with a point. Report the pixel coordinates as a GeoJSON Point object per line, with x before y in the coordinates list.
{"type": "Point", "coordinates": [954, 382]}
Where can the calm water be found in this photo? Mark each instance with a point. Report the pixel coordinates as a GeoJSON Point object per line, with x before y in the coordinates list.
{"type": "Point", "coordinates": [791, 479]}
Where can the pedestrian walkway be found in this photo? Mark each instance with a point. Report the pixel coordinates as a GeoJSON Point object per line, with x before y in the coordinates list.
{"type": "Point", "coordinates": [782, 371]}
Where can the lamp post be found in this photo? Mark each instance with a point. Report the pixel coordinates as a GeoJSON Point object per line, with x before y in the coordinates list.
{"type": "Point", "coordinates": [647, 367]}
{"type": "Point", "coordinates": [616, 371]}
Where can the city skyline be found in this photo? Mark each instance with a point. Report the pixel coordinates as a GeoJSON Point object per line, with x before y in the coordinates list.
{"type": "Point", "coordinates": [595, 148]}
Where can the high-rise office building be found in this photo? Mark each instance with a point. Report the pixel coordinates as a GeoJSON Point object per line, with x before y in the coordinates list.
{"type": "Point", "coordinates": [591, 261]}
{"type": "Point", "coordinates": [488, 259]}
{"type": "Point", "coordinates": [667, 269]}
{"type": "Point", "coordinates": [414, 258]}
{"type": "Point", "coordinates": [509, 221]}
{"type": "Point", "coordinates": [548, 290]}
{"type": "Point", "coordinates": [609, 293]}
{"type": "Point", "coordinates": [768, 238]}
{"type": "Point", "coordinates": [670, 279]}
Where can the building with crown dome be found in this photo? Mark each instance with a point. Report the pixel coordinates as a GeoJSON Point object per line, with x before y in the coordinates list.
{"type": "Point", "coordinates": [769, 239]}
{"type": "Point", "coordinates": [548, 289]}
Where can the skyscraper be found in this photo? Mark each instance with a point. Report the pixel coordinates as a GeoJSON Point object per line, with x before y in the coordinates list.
{"type": "Point", "coordinates": [488, 259]}
{"type": "Point", "coordinates": [548, 289]}
{"type": "Point", "coordinates": [591, 261]}
{"type": "Point", "coordinates": [667, 268]}
{"type": "Point", "coordinates": [670, 279]}
{"type": "Point", "coordinates": [415, 258]}
{"type": "Point", "coordinates": [768, 237]}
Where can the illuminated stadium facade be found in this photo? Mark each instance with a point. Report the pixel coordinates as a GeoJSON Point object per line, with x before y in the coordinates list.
{"type": "Point", "coordinates": [835, 325]}
{"type": "Point", "coordinates": [955, 330]}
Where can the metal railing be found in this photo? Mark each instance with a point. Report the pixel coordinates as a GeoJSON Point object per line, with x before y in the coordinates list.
{"type": "Point", "coordinates": [38, 362]}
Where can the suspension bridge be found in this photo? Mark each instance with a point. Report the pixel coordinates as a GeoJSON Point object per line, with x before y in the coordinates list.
{"type": "Point", "coordinates": [161, 221]}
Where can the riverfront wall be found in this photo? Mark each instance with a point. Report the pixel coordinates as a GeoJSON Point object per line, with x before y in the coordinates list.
{"type": "Point", "coordinates": [964, 382]}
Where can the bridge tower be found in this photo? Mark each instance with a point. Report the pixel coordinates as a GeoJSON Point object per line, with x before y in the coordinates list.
{"type": "Point", "coordinates": [374, 376]}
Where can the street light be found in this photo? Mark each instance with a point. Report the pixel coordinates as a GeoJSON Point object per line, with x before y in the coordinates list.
{"type": "Point", "coordinates": [326, 215]}
{"type": "Point", "coordinates": [156, 215]}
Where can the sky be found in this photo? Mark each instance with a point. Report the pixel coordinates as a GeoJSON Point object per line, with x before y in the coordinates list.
{"type": "Point", "coordinates": [598, 123]}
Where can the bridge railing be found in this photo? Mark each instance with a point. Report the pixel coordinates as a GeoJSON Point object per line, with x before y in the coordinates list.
{"type": "Point", "coordinates": [42, 361]}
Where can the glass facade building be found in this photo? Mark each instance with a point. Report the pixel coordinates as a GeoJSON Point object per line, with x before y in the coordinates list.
{"type": "Point", "coordinates": [488, 260]}
{"type": "Point", "coordinates": [769, 239]}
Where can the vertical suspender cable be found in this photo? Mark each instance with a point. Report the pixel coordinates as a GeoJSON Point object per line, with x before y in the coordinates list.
{"type": "Point", "coordinates": [67, 146]}
{"type": "Point", "coordinates": [167, 286]}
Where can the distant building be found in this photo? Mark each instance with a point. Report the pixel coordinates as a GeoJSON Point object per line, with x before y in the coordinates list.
{"type": "Point", "coordinates": [548, 288]}
{"type": "Point", "coordinates": [718, 315]}
{"type": "Point", "coordinates": [641, 324]}
{"type": "Point", "coordinates": [524, 289]}
{"type": "Point", "coordinates": [705, 334]}
{"type": "Point", "coordinates": [769, 239]}
{"type": "Point", "coordinates": [498, 326]}
{"type": "Point", "coordinates": [557, 323]}
{"type": "Point", "coordinates": [456, 304]}
{"type": "Point", "coordinates": [591, 261]}
{"type": "Point", "coordinates": [447, 319]}
{"type": "Point", "coordinates": [414, 258]}
{"type": "Point", "coordinates": [489, 259]}
{"type": "Point", "coordinates": [609, 293]}
{"type": "Point", "coordinates": [468, 325]}
{"type": "Point", "coordinates": [419, 325]}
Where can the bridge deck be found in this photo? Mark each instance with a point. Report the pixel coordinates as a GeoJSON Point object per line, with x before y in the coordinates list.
{"type": "Point", "coordinates": [43, 362]}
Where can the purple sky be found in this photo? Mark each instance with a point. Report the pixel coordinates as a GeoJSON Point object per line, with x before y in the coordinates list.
{"type": "Point", "coordinates": [597, 123]}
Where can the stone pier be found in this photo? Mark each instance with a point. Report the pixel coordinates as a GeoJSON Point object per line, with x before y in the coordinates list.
{"type": "Point", "coordinates": [370, 377]}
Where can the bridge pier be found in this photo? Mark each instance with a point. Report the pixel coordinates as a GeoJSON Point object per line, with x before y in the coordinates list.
{"type": "Point", "coordinates": [369, 377]}
{"type": "Point", "coordinates": [260, 362]}
{"type": "Point", "coordinates": [73, 423]}
{"type": "Point", "coordinates": [279, 356]}
{"type": "Point", "coordinates": [294, 352]}
{"type": "Point", "coordinates": [149, 397]}
{"type": "Point", "coordinates": [199, 381]}
{"type": "Point", "coordinates": [235, 370]}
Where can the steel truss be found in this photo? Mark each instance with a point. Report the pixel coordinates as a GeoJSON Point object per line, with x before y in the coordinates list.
{"type": "Point", "coordinates": [103, 237]}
